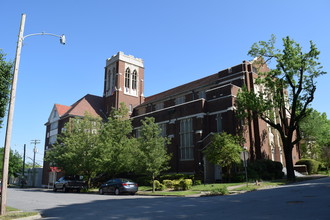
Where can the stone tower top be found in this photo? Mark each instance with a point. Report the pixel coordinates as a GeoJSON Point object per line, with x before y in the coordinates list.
{"type": "Point", "coordinates": [126, 58]}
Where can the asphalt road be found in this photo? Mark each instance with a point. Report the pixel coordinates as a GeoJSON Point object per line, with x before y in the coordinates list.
{"type": "Point", "coordinates": [305, 200]}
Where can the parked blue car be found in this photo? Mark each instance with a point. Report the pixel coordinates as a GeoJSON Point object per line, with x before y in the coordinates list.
{"type": "Point", "coordinates": [119, 186]}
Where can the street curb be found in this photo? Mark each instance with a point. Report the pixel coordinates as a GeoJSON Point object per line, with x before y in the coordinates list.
{"type": "Point", "coordinates": [38, 216]}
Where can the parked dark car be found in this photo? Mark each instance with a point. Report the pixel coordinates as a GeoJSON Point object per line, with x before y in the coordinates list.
{"type": "Point", "coordinates": [67, 183]}
{"type": "Point", "coordinates": [119, 186]}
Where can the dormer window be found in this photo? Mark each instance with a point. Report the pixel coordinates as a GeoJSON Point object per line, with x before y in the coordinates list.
{"type": "Point", "coordinates": [54, 114]}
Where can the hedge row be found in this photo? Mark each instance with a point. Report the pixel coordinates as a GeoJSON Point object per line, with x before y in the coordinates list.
{"type": "Point", "coordinates": [312, 165]}
{"type": "Point", "coordinates": [181, 184]}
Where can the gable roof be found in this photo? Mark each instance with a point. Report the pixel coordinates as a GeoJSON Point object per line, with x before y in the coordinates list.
{"type": "Point", "coordinates": [89, 103]}
{"type": "Point", "coordinates": [212, 79]}
{"type": "Point", "coordinates": [61, 109]}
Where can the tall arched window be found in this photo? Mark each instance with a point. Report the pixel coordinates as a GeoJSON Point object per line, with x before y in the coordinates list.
{"type": "Point", "coordinates": [134, 80]}
{"type": "Point", "coordinates": [108, 80]}
{"type": "Point", "coordinates": [127, 79]}
{"type": "Point", "coordinates": [114, 81]}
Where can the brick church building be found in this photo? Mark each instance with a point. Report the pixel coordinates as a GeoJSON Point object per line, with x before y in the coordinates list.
{"type": "Point", "coordinates": [188, 114]}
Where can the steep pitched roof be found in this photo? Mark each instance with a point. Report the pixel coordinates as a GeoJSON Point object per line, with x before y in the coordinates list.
{"type": "Point", "coordinates": [212, 79]}
{"type": "Point", "coordinates": [89, 103]}
{"type": "Point", "coordinates": [61, 109]}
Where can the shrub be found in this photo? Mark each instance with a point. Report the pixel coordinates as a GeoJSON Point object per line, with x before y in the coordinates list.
{"type": "Point", "coordinates": [312, 165]}
{"type": "Point", "coordinates": [168, 183]}
{"type": "Point", "coordinates": [162, 187]}
{"type": "Point", "coordinates": [159, 186]}
{"type": "Point", "coordinates": [186, 184]}
{"type": "Point", "coordinates": [197, 182]}
{"type": "Point", "coordinates": [220, 191]}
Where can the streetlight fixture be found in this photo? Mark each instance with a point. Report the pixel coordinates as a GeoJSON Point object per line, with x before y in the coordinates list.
{"type": "Point", "coordinates": [62, 37]}
{"type": "Point", "coordinates": [21, 37]}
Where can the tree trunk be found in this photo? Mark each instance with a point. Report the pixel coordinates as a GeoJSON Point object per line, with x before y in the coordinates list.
{"type": "Point", "coordinates": [153, 183]}
{"type": "Point", "coordinates": [89, 181]}
{"type": "Point", "coordinates": [229, 173]}
{"type": "Point", "coordinates": [289, 162]}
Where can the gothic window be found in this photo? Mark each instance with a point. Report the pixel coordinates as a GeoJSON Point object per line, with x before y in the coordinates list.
{"type": "Point", "coordinates": [127, 79]}
{"type": "Point", "coordinates": [134, 80]}
{"type": "Point", "coordinates": [108, 80]}
{"type": "Point", "coordinates": [114, 81]}
{"type": "Point", "coordinates": [131, 81]}
{"type": "Point", "coordinates": [186, 139]}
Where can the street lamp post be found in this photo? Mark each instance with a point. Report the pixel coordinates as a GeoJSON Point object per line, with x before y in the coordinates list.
{"type": "Point", "coordinates": [6, 153]}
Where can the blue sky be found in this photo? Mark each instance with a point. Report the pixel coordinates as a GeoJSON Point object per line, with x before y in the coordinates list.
{"type": "Point", "coordinates": [179, 41]}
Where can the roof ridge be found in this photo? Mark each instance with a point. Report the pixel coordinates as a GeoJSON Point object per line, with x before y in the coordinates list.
{"type": "Point", "coordinates": [92, 101]}
{"type": "Point", "coordinates": [180, 87]}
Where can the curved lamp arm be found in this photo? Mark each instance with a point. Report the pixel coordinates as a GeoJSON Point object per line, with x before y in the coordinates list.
{"type": "Point", "coordinates": [62, 37]}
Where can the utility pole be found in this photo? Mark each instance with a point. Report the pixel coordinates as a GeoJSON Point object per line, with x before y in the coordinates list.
{"type": "Point", "coordinates": [11, 106]}
{"type": "Point", "coordinates": [10, 119]}
{"type": "Point", "coordinates": [35, 150]}
{"type": "Point", "coordinates": [23, 171]}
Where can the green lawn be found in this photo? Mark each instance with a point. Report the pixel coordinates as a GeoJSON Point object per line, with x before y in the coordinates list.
{"type": "Point", "coordinates": [206, 189]}
{"type": "Point", "coordinates": [210, 187]}
{"type": "Point", "coordinates": [213, 188]}
{"type": "Point", "coordinates": [12, 213]}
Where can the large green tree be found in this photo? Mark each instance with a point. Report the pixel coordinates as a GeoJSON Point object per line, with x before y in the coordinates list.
{"type": "Point", "coordinates": [285, 92]}
{"type": "Point", "coordinates": [315, 132]}
{"type": "Point", "coordinates": [76, 150]}
{"type": "Point", "coordinates": [117, 146]}
{"type": "Point", "coordinates": [15, 163]}
{"type": "Point", "coordinates": [5, 84]}
{"type": "Point", "coordinates": [153, 157]}
{"type": "Point", "coordinates": [224, 150]}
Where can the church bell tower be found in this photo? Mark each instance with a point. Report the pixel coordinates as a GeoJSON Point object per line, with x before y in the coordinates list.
{"type": "Point", "coordinates": [123, 82]}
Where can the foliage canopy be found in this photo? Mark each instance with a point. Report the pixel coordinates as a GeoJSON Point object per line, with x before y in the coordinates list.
{"type": "Point", "coordinates": [282, 95]}
{"type": "Point", "coordinates": [15, 163]}
{"type": "Point", "coordinates": [315, 131]}
{"type": "Point", "coordinates": [5, 84]}
{"type": "Point", "coordinates": [152, 157]}
{"type": "Point", "coordinates": [117, 146]}
{"type": "Point", "coordinates": [224, 150]}
{"type": "Point", "coordinates": [76, 150]}
{"type": "Point", "coordinates": [89, 147]}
